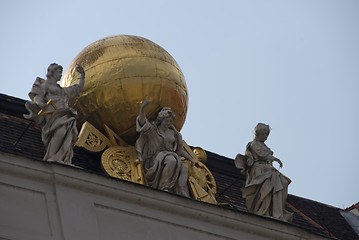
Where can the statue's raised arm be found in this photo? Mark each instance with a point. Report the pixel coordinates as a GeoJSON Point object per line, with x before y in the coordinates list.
{"type": "Point", "coordinates": [142, 116]}
{"type": "Point", "coordinates": [81, 70]}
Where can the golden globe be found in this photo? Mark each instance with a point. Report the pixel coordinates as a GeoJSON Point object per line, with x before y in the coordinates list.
{"type": "Point", "coordinates": [121, 72]}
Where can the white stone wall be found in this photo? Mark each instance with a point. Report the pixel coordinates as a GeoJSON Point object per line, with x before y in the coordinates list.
{"type": "Point", "coordinates": [42, 200]}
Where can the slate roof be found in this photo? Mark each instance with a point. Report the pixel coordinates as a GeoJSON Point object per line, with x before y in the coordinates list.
{"type": "Point", "coordinates": [22, 137]}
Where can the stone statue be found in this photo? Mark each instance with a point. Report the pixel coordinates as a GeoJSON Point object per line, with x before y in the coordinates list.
{"type": "Point", "coordinates": [50, 111]}
{"type": "Point", "coordinates": [266, 189]}
{"type": "Point", "coordinates": [159, 149]}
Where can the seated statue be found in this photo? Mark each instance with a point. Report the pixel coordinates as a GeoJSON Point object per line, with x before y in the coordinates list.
{"type": "Point", "coordinates": [50, 111]}
{"type": "Point", "coordinates": [266, 189]}
{"type": "Point", "coordinates": [159, 149]}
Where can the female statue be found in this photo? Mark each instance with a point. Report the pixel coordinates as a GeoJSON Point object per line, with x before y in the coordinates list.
{"type": "Point", "coordinates": [50, 111]}
{"type": "Point", "coordinates": [160, 148]}
{"type": "Point", "coordinates": [266, 189]}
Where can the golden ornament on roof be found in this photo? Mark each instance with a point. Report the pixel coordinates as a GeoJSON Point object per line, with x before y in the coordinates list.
{"type": "Point", "coordinates": [121, 72]}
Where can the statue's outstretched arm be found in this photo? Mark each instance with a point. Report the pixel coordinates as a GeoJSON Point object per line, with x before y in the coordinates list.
{"type": "Point", "coordinates": [142, 115]}
{"type": "Point", "coordinates": [80, 69]}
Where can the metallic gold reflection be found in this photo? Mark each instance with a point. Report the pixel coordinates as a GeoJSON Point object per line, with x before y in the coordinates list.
{"type": "Point", "coordinates": [121, 72]}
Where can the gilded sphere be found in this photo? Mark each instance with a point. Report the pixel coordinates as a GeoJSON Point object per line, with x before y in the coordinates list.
{"type": "Point", "coordinates": [121, 72]}
{"type": "Point", "coordinates": [201, 154]}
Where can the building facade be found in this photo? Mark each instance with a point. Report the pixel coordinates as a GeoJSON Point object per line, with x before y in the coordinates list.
{"type": "Point", "coordinates": [50, 200]}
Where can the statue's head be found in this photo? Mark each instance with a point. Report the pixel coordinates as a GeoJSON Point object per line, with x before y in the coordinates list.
{"type": "Point", "coordinates": [165, 116]}
{"type": "Point", "coordinates": [261, 131]}
{"type": "Point", "coordinates": [54, 71]}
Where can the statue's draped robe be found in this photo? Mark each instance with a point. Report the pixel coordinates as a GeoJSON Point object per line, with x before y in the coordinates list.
{"type": "Point", "coordinates": [64, 116]}
{"type": "Point", "coordinates": [266, 188]}
{"type": "Point", "coordinates": [152, 150]}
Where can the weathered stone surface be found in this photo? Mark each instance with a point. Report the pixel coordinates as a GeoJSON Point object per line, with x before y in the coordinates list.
{"type": "Point", "coordinates": [159, 149]}
{"type": "Point", "coordinates": [266, 189]}
{"type": "Point", "coordinates": [48, 108]}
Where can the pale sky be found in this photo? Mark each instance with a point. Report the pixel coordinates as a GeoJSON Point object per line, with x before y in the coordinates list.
{"type": "Point", "coordinates": [291, 64]}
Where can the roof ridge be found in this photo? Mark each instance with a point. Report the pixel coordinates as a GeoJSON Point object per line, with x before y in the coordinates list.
{"type": "Point", "coordinates": [354, 206]}
{"type": "Point", "coordinates": [310, 220]}
{"type": "Point", "coordinates": [314, 201]}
